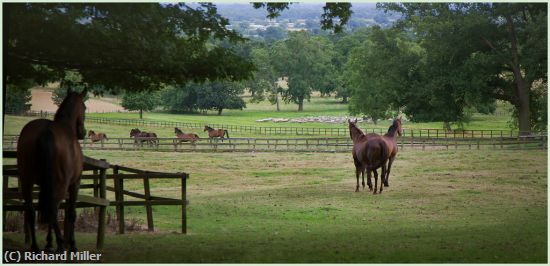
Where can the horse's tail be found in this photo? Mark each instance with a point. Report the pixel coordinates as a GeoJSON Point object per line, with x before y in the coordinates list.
{"type": "Point", "coordinates": [47, 206]}
{"type": "Point", "coordinates": [105, 136]}
{"type": "Point", "coordinates": [226, 132]}
{"type": "Point", "coordinates": [197, 136]}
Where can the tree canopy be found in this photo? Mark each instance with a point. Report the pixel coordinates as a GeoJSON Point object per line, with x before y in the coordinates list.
{"type": "Point", "coordinates": [119, 45]}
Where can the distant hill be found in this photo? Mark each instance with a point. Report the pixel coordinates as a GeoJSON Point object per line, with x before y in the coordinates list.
{"type": "Point", "coordinates": [244, 12]}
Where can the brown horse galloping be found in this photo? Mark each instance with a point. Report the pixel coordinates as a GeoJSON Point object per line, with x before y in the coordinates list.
{"type": "Point", "coordinates": [97, 137]}
{"type": "Point", "coordinates": [359, 152]}
{"type": "Point", "coordinates": [49, 155]}
{"type": "Point", "coordinates": [216, 133]}
{"type": "Point", "coordinates": [185, 137]}
{"type": "Point", "coordinates": [140, 137]}
{"type": "Point", "coordinates": [390, 139]}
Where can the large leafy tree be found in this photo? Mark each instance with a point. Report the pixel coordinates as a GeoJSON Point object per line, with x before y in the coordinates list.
{"type": "Point", "coordinates": [140, 101]}
{"type": "Point", "coordinates": [380, 71]}
{"type": "Point", "coordinates": [500, 48]}
{"type": "Point", "coordinates": [128, 46]}
{"type": "Point", "coordinates": [220, 95]}
{"type": "Point", "coordinates": [306, 61]}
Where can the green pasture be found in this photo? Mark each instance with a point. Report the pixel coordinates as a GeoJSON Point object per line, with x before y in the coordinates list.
{"type": "Point", "coordinates": [318, 106]}
{"type": "Point", "coordinates": [442, 206]}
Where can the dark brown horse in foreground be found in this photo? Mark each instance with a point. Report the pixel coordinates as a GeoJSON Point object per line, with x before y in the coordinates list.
{"type": "Point", "coordinates": [390, 139]}
{"type": "Point", "coordinates": [360, 154]}
{"type": "Point", "coordinates": [97, 137]}
{"type": "Point", "coordinates": [185, 137]}
{"type": "Point", "coordinates": [49, 155]}
{"type": "Point", "coordinates": [216, 133]}
{"type": "Point", "coordinates": [141, 137]}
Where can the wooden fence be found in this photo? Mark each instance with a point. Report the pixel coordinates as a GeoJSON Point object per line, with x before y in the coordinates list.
{"type": "Point", "coordinates": [329, 131]}
{"type": "Point", "coordinates": [303, 144]}
{"type": "Point", "coordinates": [97, 181]}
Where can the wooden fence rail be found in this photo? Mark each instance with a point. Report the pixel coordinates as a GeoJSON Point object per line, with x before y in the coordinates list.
{"type": "Point", "coordinates": [302, 144]}
{"type": "Point", "coordinates": [329, 131]}
{"type": "Point", "coordinates": [97, 182]}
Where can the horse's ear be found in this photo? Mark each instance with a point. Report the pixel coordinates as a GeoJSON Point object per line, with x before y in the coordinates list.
{"type": "Point", "coordinates": [84, 92]}
{"type": "Point", "coordinates": [355, 120]}
{"type": "Point", "coordinates": [69, 90]}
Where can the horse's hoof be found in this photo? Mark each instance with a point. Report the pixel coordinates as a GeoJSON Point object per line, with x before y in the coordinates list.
{"type": "Point", "coordinates": [73, 249]}
{"type": "Point", "coordinates": [34, 248]}
{"type": "Point", "coordinates": [48, 249]}
{"type": "Point", "coordinates": [60, 250]}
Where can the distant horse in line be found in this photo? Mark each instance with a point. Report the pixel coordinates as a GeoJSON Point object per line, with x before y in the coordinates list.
{"type": "Point", "coordinates": [49, 155]}
{"type": "Point", "coordinates": [216, 133]}
{"type": "Point", "coordinates": [390, 139]}
{"type": "Point", "coordinates": [97, 137]}
{"type": "Point", "coordinates": [359, 152]}
{"type": "Point", "coordinates": [141, 137]}
{"type": "Point", "coordinates": [185, 137]}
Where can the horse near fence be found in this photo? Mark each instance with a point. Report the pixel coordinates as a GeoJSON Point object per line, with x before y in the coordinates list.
{"type": "Point", "coordinates": [185, 137]}
{"type": "Point", "coordinates": [98, 198]}
{"type": "Point", "coordinates": [216, 133]}
{"type": "Point", "coordinates": [141, 137]}
{"type": "Point", "coordinates": [95, 137]}
{"type": "Point", "coordinates": [50, 156]}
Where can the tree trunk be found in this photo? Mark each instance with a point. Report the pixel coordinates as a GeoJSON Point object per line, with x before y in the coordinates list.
{"type": "Point", "coordinates": [447, 126]}
{"type": "Point", "coordinates": [140, 113]}
{"type": "Point", "coordinates": [300, 104]}
{"type": "Point", "coordinates": [220, 111]}
{"type": "Point", "coordinates": [344, 99]}
{"type": "Point", "coordinates": [277, 98]}
{"type": "Point", "coordinates": [522, 90]}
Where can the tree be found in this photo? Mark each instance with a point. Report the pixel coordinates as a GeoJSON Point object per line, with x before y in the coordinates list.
{"type": "Point", "coordinates": [179, 99]}
{"type": "Point", "coordinates": [126, 46]}
{"type": "Point", "coordinates": [502, 46]}
{"type": "Point", "coordinates": [391, 72]}
{"type": "Point", "coordinates": [71, 80]}
{"type": "Point", "coordinates": [219, 96]}
{"type": "Point", "coordinates": [306, 61]}
{"type": "Point", "coordinates": [263, 83]}
{"type": "Point", "coordinates": [378, 70]}
{"type": "Point", "coordinates": [140, 101]}
{"type": "Point", "coordinates": [343, 45]}
{"type": "Point", "coordinates": [18, 97]}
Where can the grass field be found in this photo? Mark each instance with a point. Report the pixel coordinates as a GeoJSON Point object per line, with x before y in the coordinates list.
{"type": "Point", "coordinates": [442, 206]}
{"type": "Point", "coordinates": [318, 106]}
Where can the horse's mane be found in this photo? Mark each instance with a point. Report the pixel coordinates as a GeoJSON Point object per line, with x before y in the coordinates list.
{"type": "Point", "coordinates": [207, 127]}
{"type": "Point", "coordinates": [66, 107]}
{"type": "Point", "coordinates": [392, 129]}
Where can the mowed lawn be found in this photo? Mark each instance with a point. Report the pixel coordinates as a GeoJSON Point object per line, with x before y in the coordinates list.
{"type": "Point", "coordinates": [442, 206]}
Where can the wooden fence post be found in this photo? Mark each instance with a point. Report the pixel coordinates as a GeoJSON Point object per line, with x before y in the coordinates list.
{"type": "Point", "coordinates": [148, 207]}
{"type": "Point", "coordinates": [184, 203]}
{"type": "Point", "coordinates": [102, 209]}
{"type": "Point", "coordinates": [119, 197]}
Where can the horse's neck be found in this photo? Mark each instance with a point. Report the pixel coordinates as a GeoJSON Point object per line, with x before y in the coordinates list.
{"type": "Point", "coordinates": [357, 135]}
{"type": "Point", "coordinates": [67, 122]}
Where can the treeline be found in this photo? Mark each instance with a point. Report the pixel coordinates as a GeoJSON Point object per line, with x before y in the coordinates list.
{"type": "Point", "coordinates": [439, 62]}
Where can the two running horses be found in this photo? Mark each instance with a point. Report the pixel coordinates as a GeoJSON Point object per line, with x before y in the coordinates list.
{"type": "Point", "coordinates": [372, 151]}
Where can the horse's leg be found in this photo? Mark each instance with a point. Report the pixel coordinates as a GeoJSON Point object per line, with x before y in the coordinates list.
{"type": "Point", "coordinates": [30, 217]}
{"type": "Point", "coordinates": [357, 176]}
{"type": "Point", "coordinates": [58, 236]}
{"type": "Point", "coordinates": [363, 176]}
{"type": "Point", "coordinates": [387, 176]}
{"type": "Point", "coordinates": [376, 181]}
{"type": "Point", "coordinates": [49, 245]}
{"type": "Point", "coordinates": [369, 182]}
{"type": "Point", "coordinates": [369, 175]}
{"type": "Point", "coordinates": [70, 214]}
